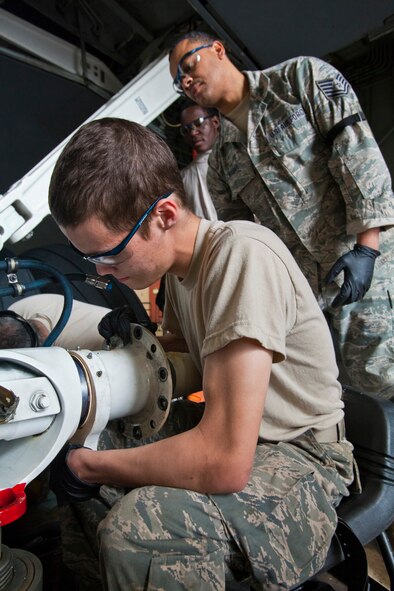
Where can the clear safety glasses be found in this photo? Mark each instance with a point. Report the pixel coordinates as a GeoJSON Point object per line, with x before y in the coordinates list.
{"type": "Point", "coordinates": [186, 65]}
{"type": "Point", "coordinates": [107, 258]}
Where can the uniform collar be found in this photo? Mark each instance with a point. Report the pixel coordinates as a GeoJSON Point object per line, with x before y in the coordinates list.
{"type": "Point", "coordinates": [258, 88]}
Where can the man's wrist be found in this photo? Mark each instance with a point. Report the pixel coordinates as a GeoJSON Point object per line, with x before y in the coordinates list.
{"type": "Point", "coordinates": [369, 238]}
{"type": "Point", "coordinates": [79, 462]}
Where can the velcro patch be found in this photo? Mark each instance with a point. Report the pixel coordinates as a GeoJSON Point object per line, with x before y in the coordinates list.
{"type": "Point", "coordinates": [334, 87]}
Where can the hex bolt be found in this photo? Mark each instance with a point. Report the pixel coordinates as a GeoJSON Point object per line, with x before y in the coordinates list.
{"type": "Point", "coordinates": [163, 374]}
{"type": "Point", "coordinates": [153, 424]}
{"type": "Point", "coordinates": [162, 402]}
{"type": "Point", "coordinates": [12, 278]}
{"type": "Point", "coordinates": [89, 355]}
{"type": "Point", "coordinates": [39, 401]}
{"type": "Point", "coordinates": [153, 348]}
{"type": "Point", "coordinates": [137, 332]}
{"type": "Point", "coordinates": [99, 373]}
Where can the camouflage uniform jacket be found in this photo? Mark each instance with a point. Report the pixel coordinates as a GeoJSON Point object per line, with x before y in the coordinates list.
{"type": "Point", "coordinates": [315, 196]}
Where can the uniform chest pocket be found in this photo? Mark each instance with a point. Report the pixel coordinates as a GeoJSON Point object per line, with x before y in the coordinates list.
{"type": "Point", "coordinates": [297, 151]}
{"type": "Point", "coordinates": [239, 169]}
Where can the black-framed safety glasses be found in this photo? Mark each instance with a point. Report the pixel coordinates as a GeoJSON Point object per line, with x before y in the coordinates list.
{"type": "Point", "coordinates": [195, 124]}
{"type": "Point", "coordinates": [185, 68]}
{"type": "Point", "coordinates": [107, 258]}
{"type": "Point", "coordinates": [33, 336]}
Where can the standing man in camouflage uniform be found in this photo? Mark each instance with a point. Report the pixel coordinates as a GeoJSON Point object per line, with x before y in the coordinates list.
{"type": "Point", "coordinates": [252, 489]}
{"type": "Point", "coordinates": [295, 151]}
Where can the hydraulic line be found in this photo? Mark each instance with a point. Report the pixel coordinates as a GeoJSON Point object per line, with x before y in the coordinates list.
{"type": "Point", "coordinates": [11, 266]}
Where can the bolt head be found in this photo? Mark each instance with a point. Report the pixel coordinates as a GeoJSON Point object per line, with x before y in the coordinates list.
{"type": "Point", "coordinates": [39, 401]}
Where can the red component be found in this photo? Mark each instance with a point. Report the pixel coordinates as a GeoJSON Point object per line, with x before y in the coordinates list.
{"type": "Point", "coordinates": [12, 503]}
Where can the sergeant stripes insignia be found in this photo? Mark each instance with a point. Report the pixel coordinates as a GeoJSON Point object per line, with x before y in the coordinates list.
{"type": "Point", "coordinates": [334, 87]}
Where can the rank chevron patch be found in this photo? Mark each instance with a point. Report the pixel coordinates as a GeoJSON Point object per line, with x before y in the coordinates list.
{"type": "Point", "coordinates": [334, 87]}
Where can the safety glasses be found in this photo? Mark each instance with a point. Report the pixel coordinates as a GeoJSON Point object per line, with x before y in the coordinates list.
{"type": "Point", "coordinates": [108, 257]}
{"type": "Point", "coordinates": [193, 125]}
{"type": "Point", "coordinates": [186, 65]}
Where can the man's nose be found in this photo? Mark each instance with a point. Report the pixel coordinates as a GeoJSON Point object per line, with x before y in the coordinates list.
{"type": "Point", "coordinates": [186, 81]}
{"type": "Point", "coordinates": [103, 269]}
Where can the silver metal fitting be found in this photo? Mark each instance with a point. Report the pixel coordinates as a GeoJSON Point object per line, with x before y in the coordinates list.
{"type": "Point", "coordinates": [98, 282]}
{"type": "Point", "coordinates": [39, 401]}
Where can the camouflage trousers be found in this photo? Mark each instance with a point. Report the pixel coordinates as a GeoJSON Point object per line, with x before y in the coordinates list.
{"type": "Point", "coordinates": [363, 332]}
{"type": "Point", "coordinates": [79, 521]}
{"type": "Point", "coordinates": [275, 533]}
{"type": "Point", "coordinates": [364, 339]}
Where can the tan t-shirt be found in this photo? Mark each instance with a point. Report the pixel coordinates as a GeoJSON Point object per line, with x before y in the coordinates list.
{"type": "Point", "coordinates": [81, 328]}
{"type": "Point", "coordinates": [239, 115]}
{"type": "Point", "coordinates": [243, 282]}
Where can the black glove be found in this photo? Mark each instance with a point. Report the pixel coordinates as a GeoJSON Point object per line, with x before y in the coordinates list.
{"type": "Point", "coordinates": [117, 323]}
{"type": "Point", "coordinates": [66, 485]}
{"type": "Point", "coordinates": [357, 265]}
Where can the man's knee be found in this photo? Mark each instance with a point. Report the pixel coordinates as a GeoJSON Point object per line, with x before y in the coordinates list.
{"type": "Point", "coordinates": [157, 516]}
{"type": "Point", "coordinates": [125, 523]}
{"type": "Point", "coordinates": [163, 537]}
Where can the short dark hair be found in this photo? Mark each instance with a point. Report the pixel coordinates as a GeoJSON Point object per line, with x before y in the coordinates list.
{"type": "Point", "coordinates": [198, 36]}
{"type": "Point", "coordinates": [112, 169]}
{"type": "Point", "coordinates": [16, 333]}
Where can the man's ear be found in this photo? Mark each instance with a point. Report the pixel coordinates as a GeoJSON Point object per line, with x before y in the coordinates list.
{"type": "Point", "coordinates": [219, 49]}
{"type": "Point", "coordinates": [215, 122]}
{"type": "Point", "coordinates": [167, 210]}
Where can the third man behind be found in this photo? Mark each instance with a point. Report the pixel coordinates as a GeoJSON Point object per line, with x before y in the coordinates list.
{"type": "Point", "coordinates": [200, 128]}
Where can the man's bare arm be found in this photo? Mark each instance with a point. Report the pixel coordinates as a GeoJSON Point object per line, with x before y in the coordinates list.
{"type": "Point", "coordinates": [214, 457]}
